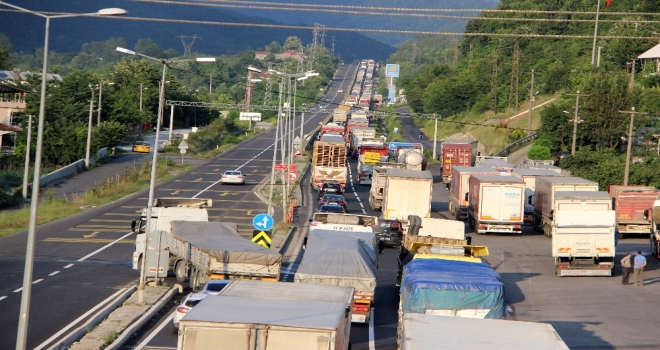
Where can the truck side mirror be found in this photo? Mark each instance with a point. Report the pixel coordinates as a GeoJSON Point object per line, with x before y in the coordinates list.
{"type": "Point", "coordinates": [133, 224]}
{"type": "Point", "coordinates": [466, 195]}
{"type": "Point", "coordinates": [551, 215]}
{"type": "Point", "coordinates": [530, 200]}
{"type": "Point", "coordinates": [647, 214]}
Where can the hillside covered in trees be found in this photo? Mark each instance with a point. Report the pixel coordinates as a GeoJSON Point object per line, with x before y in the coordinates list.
{"type": "Point", "coordinates": [491, 76]}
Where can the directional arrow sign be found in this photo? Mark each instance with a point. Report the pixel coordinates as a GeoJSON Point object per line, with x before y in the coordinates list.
{"type": "Point", "coordinates": [263, 222]}
{"type": "Point", "coordinates": [262, 238]}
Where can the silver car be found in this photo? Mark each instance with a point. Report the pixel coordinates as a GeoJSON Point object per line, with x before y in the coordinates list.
{"type": "Point", "coordinates": [232, 177]}
{"type": "Point", "coordinates": [187, 304]}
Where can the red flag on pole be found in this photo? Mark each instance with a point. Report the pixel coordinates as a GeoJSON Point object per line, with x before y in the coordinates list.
{"type": "Point", "coordinates": [608, 3]}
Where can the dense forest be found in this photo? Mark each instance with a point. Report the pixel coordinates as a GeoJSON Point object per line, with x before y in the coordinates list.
{"type": "Point", "coordinates": [491, 76]}
{"type": "Point", "coordinates": [143, 21]}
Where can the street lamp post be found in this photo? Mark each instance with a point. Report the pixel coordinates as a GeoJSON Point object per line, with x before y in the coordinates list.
{"type": "Point", "coordinates": [154, 159]}
{"type": "Point", "coordinates": [21, 336]}
{"type": "Point", "coordinates": [89, 129]}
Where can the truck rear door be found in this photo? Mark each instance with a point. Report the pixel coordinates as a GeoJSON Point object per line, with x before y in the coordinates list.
{"type": "Point", "coordinates": [584, 233]}
{"type": "Point", "coordinates": [501, 203]}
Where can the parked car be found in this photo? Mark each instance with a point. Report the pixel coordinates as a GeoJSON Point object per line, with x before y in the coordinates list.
{"type": "Point", "coordinates": [186, 305]}
{"type": "Point", "coordinates": [233, 177]}
{"type": "Point", "coordinates": [334, 199]}
{"type": "Point", "coordinates": [389, 232]}
{"type": "Point", "coordinates": [330, 187]}
{"type": "Point", "coordinates": [560, 156]}
{"type": "Point", "coordinates": [332, 208]}
{"type": "Point", "coordinates": [214, 286]}
{"type": "Point", "coordinates": [141, 147]}
{"type": "Point", "coordinates": [327, 99]}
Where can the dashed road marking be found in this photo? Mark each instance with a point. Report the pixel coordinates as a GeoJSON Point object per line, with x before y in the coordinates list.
{"type": "Point", "coordinates": [37, 281]}
{"type": "Point", "coordinates": [18, 290]}
{"type": "Point", "coordinates": [67, 266]}
{"type": "Point", "coordinates": [3, 297]}
{"type": "Point", "coordinates": [54, 273]}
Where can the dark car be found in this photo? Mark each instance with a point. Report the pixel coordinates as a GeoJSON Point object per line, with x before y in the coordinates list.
{"type": "Point", "coordinates": [560, 156]}
{"type": "Point", "coordinates": [332, 208]}
{"type": "Point", "coordinates": [334, 199]}
{"type": "Point", "coordinates": [389, 232]}
{"type": "Point", "coordinates": [330, 187]}
{"type": "Point", "coordinates": [355, 154]}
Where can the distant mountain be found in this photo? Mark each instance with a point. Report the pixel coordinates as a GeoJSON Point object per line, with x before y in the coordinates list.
{"type": "Point", "coordinates": [382, 22]}
{"type": "Point", "coordinates": [26, 31]}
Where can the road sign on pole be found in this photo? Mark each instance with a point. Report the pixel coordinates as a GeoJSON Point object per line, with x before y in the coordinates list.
{"type": "Point", "coordinates": [262, 238]}
{"type": "Point", "coordinates": [263, 222]}
{"type": "Point", "coordinates": [292, 177]}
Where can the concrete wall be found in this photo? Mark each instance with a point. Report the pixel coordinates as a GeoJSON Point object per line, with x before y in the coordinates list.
{"type": "Point", "coordinates": [70, 169]}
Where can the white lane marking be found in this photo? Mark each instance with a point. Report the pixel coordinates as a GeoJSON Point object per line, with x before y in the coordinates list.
{"type": "Point", "coordinates": [54, 273]}
{"type": "Point", "coordinates": [358, 199]}
{"type": "Point", "coordinates": [361, 204]}
{"type": "Point", "coordinates": [18, 290]}
{"type": "Point", "coordinates": [67, 266]}
{"type": "Point", "coordinates": [355, 193]}
{"type": "Point", "coordinates": [76, 321]}
{"type": "Point", "coordinates": [288, 269]}
{"type": "Point", "coordinates": [104, 247]}
{"type": "Point", "coordinates": [364, 211]}
{"type": "Point", "coordinates": [3, 297]}
{"type": "Point", "coordinates": [372, 343]}
{"type": "Point", "coordinates": [37, 281]}
{"type": "Point", "coordinates": [146, 341]}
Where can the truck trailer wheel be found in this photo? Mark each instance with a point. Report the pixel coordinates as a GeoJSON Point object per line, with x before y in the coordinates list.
{"type": "Point", "coordinates": [180, 271]}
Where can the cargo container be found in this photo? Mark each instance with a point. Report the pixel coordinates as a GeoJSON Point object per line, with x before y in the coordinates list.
{"type": "Point", "coordinates": [459, 189]}
{"type": "Point", "coordinates": [331, 129]}
{"type": "Point", "coordinates": [456, 153]}
{"type": "Point", "coordinates": [529, 176]}
{"type": "Point", "coordinates": [630, 202]}
{"type": "Point", "coordinates": [214, 250]}
{"type": "Point", "coordinates": [544, 197]}
{"type": "Point", "coordinates": [496, 204]}
{"type": "Point", "coordinates": [422, 331]}
{"type": "Point", "coordinates": [653, 216]}
{"type": "Point", "coordinates": [342, 258]}
{"type": "Point", "coordinates": [378, 178]}
{"type": "Point", "coordinates": [583, 236]}
{"type": "Point", "coordinates": [359, 133]}
{"type": "Point", "coordinates": [407, 192]}
{"type": "Point", "coordinates": [315, 319]}
{"type": "Point", "coordinates": [340, 116]}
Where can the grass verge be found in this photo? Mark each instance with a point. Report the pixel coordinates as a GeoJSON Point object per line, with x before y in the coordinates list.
{"type": "Point", "coordinates": [110, 189]}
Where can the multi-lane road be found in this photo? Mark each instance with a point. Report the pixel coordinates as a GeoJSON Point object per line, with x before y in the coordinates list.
{"type": "Point", "coordinates": [82, 260]}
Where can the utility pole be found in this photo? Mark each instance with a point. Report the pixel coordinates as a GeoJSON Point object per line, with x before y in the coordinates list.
{"type": "Point", "coordinates": [89, 128]}
{"type": "Point", "coordinates": [332, 50]}
{"type": "Point", "coordinates": [515, 77]}
{"type": "Point", "coordinates": [493, 87]}
{"type": "Point", "coordinates": [211, 84]}
{"type": "Point", "coordinates": [631, 85]}
{"type": "Point", "coordinates": [141, 119]}
{"type": "Point", "coordinates": [576, 120]}
{"type": "Point", "coordinates": [248, 96]}
{"type": "Point", "coordinates": [272, 169]}
{"type": "Point", "coordinates": [27, 157]}
{"type": "Point", "coordinates": [98, 109]}
{"type": "Point", "coordinates": [593, 48]}
{"type": "Point", "coordinates": [435, 137]}
{"type": "Point", "coordinates": [531, 106]}
{"type": "Point", "coordinates": [630, 141]}
{"type": "Point", "coordinates": [598, 58]}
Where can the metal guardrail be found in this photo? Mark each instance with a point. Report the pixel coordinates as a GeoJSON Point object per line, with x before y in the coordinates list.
{"type": "Point", "coordinates": [514, 144]}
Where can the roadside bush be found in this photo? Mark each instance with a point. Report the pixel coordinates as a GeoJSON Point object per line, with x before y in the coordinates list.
{"type": "Point", "coordinates": [539, 152]}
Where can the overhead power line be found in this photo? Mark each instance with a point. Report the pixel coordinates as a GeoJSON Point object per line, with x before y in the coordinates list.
{"type": "Point", "coordinates": [386, 14]}
{"type": "Point", "coordinates": [410, 9]}
{"type": "Point", "coordinates": [361, 30]}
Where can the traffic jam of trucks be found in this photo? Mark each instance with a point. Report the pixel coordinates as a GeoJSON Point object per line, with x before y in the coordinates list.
{"type": "Point", "coordinates": [448, 292]}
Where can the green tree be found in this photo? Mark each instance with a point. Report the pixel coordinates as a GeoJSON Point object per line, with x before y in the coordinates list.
{"type": "Point", "coordinates": [274, 47]}
{"type": "Point", "coordinates": [293, 43]}
{"type": "Point", "coordinates": [148, 47]}
{"type": "Point", "coordinates": [108, 134]}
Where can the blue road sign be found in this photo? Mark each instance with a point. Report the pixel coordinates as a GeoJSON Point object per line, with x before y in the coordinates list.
{"type": "Point", "coordinates": [263, 222]}
{"type": "Point", "coordinates": [392, 70]}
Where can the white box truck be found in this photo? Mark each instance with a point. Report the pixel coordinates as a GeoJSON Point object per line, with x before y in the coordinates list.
{"type": "Point", "coordinates": [259, 322]}
{"type": "Point", "coordinates": [459, 188]}
{"type": "Point", "coordinates": [496, 204]}
{"type": "Point", "coordinates": [427, 331]}
{"type": "Point", "coordinates": [544, 197]}
{"type": "Point", "coordinates": [407, 192]}
{"type": "Point", "coordinates": [529, 176]}
{"type": "Point", "coordinates": [583, 234]}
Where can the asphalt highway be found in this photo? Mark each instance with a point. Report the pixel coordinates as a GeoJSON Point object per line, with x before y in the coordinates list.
{"type": "Point", "coordinates": [82, 260]}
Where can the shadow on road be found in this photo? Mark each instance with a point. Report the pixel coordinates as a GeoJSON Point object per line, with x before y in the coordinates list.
{"type": "Point", "coordinates": [576, 336]}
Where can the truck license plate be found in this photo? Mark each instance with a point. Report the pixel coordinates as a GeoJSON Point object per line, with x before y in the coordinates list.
{"type": "Point", "coordinates": [594, 272]}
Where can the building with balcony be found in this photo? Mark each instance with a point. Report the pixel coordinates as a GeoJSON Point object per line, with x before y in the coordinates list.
{"type": "Point", "coordinates": [12, 99]}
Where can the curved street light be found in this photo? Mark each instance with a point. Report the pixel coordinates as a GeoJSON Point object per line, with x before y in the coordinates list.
{"type": "Point", "coordinates": [154, 159]}
{"type": "Point", "coordinates": [21, 336]}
